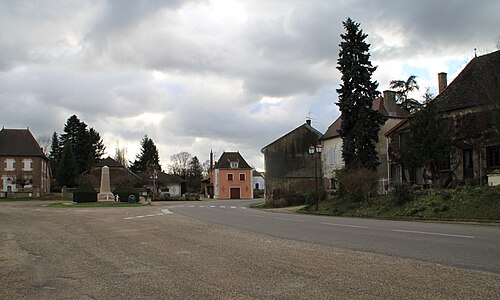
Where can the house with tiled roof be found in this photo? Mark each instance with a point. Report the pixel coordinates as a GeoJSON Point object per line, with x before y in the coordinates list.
{"type": "Point", "coordinates": [25, 170]}
{"type": "Point", "coordinates": [231, 177]}
{"type": "Point", "coordinates": [290, 169]}
{"type": "Point", "coordinates": [332, 161]}
{"type": "Point", "coordinates": [118, 174]}
{"type": "Point", "coordinates": [470, 106]}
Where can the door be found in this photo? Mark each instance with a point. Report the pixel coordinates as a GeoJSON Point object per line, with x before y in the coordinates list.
{"type": "Point", "coordinates": [468, 164]}
{"type": "Point", "coordinates": [235, 193]}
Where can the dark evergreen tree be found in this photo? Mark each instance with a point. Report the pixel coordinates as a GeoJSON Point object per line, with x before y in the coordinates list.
{"type": "Point", "coordinates": [87, 144]}
{"type": "Point", "coordinates": [148, 158]}
{"type": "Point", "coordinates": [54, 153]}
{"type": "Point", "coordinates": [67, 167]}
{"type": "Point", "coordinates": [360, 123]}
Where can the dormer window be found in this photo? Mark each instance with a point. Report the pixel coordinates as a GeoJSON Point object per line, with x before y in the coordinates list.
{"type": "Point", "coordinates": [234, 164]}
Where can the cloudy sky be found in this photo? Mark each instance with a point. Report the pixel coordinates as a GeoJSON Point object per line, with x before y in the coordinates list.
{"type": "Point", "coordinates": [215, 74]}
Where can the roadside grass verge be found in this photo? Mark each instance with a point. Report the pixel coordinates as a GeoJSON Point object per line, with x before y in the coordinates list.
{"type": "Point", "coordinates": [463, 203]}
{"type": "Point", "coordinates": [93, 204]}
{"type": "Point", "coordinates": [20, 199]}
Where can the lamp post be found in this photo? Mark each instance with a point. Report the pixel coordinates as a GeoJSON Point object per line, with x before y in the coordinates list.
{"type": "Point", "coordinates": [313, 149]}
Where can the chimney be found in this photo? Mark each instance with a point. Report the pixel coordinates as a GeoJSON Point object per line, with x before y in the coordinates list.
{"type": "Point", "coordinates": [211, 159]}
{"type": "Point", "coordinates": [390, 102]}
{"type": "Point", "coordinates": [442, 81]}
{"type": "Point", "coordinates": [308, 121]}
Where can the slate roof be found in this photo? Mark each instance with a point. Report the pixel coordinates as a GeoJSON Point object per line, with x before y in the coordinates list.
{"type": "Point", "coordinates": [162, 177]}
{"type": "Point", "coordinates": [19, 142]}
{"type": "Point", "coordinates": [110, 162]}
{"type": "Point", "coordinates": [306, 125]}
{"type": "Point", "coordinates": [477, 84]}
{"type": "Point", "coordinates": [227, 157]}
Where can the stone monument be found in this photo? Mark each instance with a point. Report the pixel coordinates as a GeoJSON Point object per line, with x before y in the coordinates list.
{"type": "Point", "coordinates": [105, 190]}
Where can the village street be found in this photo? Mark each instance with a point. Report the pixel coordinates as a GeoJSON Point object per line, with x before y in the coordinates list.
{"type": "Point", "coordinates": [225, 250]}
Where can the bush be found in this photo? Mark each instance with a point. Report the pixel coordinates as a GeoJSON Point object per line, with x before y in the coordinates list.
{"type": "Point", "coordinates": [360, 184]}
{"type": "Point", "coordinates": [258, 193]}
{"type": "Point", "coordinates": [85, 193]}
{"type": "Point", "coordinates": [402, 193]}
{"type": "Point", "coordinates": [125, 191]}
{"type": "Point", "coordinates": [311, 196]}
{"type": "Point", "coordinates": [192, 197]}
{"type": "Point", "coordinates": [282, 197]}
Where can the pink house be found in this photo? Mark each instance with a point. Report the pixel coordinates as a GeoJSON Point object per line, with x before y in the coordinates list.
{"type": "Point", "coordinates": [231, 177]}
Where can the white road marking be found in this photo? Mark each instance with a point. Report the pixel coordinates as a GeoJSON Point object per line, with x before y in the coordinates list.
{"type": "Point", "coordinates": [345, 225]}
{"type": "Point", "coordinates": [202, 206]}
{"type": "Point", "coordinates": [233, 206]}
{"type": "Point", "coordinates": [129, 218]}
{"type": "Point", "coordinates": [191, 205]}
{"type": "Point", "coordinates": [243, 207]}
{"type": "Point", "coordinates": [166, 211]}
{"type": "Point", "coordinates": [212, 205]}
{"type": "Point", "coordinates": [287, 219]}
{"type": "Point", "coordinates": [222, 206]}
{"type": "Point", "coordinates": [435, 233]}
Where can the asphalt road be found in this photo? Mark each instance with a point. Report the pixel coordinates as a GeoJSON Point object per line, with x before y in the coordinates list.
{"type": "Point", "coordinates": [467, 246]}
{"type": "Point", "coordinates": [150, 253]}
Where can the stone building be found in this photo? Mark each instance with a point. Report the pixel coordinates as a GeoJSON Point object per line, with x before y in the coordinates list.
{"type": "Point", "coordinates": [289, 166]}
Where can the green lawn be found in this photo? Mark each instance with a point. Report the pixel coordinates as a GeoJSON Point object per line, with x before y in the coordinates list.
{"type": "Point", "coordinates": [463, 203]}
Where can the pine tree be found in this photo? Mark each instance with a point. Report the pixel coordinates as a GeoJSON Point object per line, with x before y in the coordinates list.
{"type": "Point", "coordinates": [55, 152]}
{"type": "Point", "coordinates": [97, 144]}
{"type": "Point", "coordinates": [360, 123]}
{"type": "Point", "coordinates": [67, 167]}
{"type": "Point", "coordinates": [195, 174]}
{"type": "Point", "coordinates": [148, 157]}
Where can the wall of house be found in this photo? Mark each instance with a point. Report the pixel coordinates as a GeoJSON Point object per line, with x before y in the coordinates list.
{"type": "Point", "coordinates": [331, 160]}
{"type": "Point", "coordinates": [174, 189]}
{"type": "Point", "coordinates": [260, 181]}
{"type": "Point", "coordinates": [289, 165]}
{"type": "Point", "coordinates": [223, 185]}
{"type": "Point", "coordinates": [38, 175]}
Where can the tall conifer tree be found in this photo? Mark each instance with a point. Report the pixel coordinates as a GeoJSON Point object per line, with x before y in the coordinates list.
{"type": "Point", "coordinates": [360, 123]}
{"type": "Point", "coordinates": [148, 157]}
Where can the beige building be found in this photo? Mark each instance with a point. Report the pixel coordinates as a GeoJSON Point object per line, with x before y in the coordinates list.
{"type": "Point", "coordinates": [331, 160]}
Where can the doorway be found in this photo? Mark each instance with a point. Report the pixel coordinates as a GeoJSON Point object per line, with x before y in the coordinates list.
{"type": "Point", "coordinates": [234, 193]}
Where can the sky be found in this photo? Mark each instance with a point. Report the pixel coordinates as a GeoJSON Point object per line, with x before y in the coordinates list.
{"type": "Point", "coordinates": [225, 75]}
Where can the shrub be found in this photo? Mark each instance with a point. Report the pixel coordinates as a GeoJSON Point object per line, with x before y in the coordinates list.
{"type": "Point", "coordinates": [124, 191]}
{"type": "Point", "coordinates": [85, 193]}
{"type": "Point", "coordinates": [192, 197]}
{"type": "Point", "coordinates": [402, 193]}
{"type": "Point", "coordinates": [282, 197]}
{"type": "Point", "coordinates": [360, 184]}
{"type": "Point", "coordinates": [258, 193]}
{"type": "Point", "coordinates": [311, 196]}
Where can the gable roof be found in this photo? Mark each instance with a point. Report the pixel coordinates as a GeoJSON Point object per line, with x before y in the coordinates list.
{"type": "Point", "coordinates": [19, 142]}
{"type": "Point", "coordinates": [477, 84]}
{"type": "Point", "coordinates": [227, 157]}
{"type": "Point", "coordinates": [305, 125]}
{"type": "Point", "coordinates": [110, 162]}
{"type": "Point", "coordinates": [385, 107]}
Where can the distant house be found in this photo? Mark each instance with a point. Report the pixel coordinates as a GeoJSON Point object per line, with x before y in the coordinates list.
{"type": "Point", "coordinates": [332, 160]}
{"type": "Point", "coordinates": [470, 106]}
{"type": "Point", "coordinates": [231, 177]}
{"type": "Point", "coordinates": [289, 166]}
{"type": "Point", "coordinates": [25, 170]}
{"type": "Point", "coordinates": [118, 174]}
{"type": "Point", "coordinates": [168, 185]}
{"type": "Point", "coordinates": [258, 181]}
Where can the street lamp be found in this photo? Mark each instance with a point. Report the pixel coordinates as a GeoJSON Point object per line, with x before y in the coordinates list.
{"type": "Point", "coordinates": [313, 149]}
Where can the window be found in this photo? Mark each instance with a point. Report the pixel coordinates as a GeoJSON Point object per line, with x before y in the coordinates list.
{"type": "Point", "coordinates": [234, 164]}
{"type": "Point", "coordinates": [242, 177]}
{"type": "Point", "coordinates": [9, 164]}
{"type": "Point", "coordinates": [27, 165]}
{"type": "Point", "coordinates": [445, 164]}
{"type": "Point", "coordinates": [229, 177]}
{"type": "Point", "coordinates": [493, 156]}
